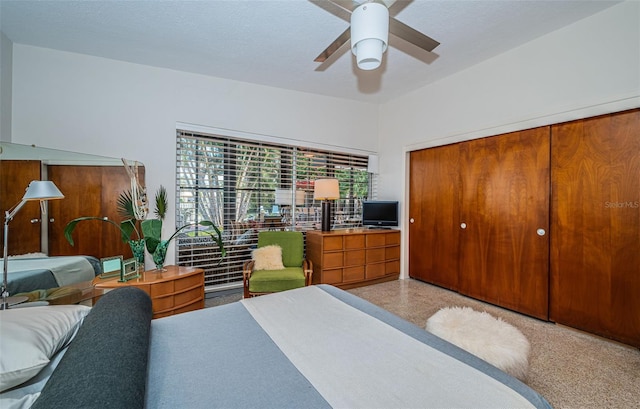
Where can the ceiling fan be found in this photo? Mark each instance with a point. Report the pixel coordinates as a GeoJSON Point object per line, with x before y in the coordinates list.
{"type": "Point", "coordinates": [369, 32]}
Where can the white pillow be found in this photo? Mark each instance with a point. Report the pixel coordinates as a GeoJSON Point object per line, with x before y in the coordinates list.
{"type": "Point", "coordinates": [268, 258]}
{"type": "Point", "coordinates": [31, 336]}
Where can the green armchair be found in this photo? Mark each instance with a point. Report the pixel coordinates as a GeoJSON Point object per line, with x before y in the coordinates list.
{"type": "Point", "coordinates": [297, 270]}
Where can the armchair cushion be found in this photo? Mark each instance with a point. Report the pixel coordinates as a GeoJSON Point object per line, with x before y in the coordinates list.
{"type": "Point", "coordinates": [270, 281]}
{"type": "Point", "coordinates": [292, 243]}
{"type": "Point", "coordinates": [268, 258]}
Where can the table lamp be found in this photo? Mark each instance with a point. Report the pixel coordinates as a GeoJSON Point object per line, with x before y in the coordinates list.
{"type": "Point", "coordinates": [41, 190]}
{"type": "Point", "coordinates": [284, 198]}
{"type": "Point", "coordinates": [326, 190]}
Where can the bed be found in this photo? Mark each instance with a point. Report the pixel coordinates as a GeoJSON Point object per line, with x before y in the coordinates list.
{"type": "Point", "coordinates": [314, 347]}
{"type": "Point", "coordinates": [36, 272]}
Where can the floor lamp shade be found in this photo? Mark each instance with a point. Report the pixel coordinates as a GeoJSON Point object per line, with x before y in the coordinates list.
{"type": "Point", "coordinates": [41, 190]}
{"type": "Point", "coordinates": [325, 190]}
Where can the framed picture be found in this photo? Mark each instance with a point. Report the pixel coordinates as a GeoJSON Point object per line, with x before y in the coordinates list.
{"type": "Point", "coordinates": [111, 266]}
{"type": "Point", "coordinates": [129, 270]}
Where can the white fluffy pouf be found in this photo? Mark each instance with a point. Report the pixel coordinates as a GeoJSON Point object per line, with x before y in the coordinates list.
{"type": "Point", "coordinates": [489, 338]}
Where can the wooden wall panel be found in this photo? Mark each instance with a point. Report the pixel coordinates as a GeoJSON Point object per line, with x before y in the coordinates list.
{"type": "Point", "coordinates": [595, 246]}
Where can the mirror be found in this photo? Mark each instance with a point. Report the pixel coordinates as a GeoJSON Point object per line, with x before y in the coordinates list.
{"type": "Point", "coordinates": [91, 185]}
{"type": "Point", "coordinates": [14, 151]}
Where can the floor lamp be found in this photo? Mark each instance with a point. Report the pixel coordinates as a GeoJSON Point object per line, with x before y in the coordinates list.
{"type": "Point", "coordinates": [41, 190]}
{"type": "Point", "coordinates": [326, 190]}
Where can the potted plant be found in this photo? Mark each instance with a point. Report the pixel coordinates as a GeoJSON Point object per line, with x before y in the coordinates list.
{"type": "Point", "coordinates": [152, 231]}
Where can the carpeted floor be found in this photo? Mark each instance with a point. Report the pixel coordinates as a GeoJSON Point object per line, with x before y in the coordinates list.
{"type": "Point", "coordinates": [571, 369]}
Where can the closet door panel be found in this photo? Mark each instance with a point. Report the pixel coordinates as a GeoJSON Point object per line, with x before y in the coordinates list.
{"type": "Point", "coordinates": [595, 252]}
{"type": "Point", "coordinates": [89, 191]}
{"type": "Point", "coordinates": [434, 214]}
{"type": "Point", "coordinates": [25, 228]}
{"type": "Point", "coordinates": [504, 249]}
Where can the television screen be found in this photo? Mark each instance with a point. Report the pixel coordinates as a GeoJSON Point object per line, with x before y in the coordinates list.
{"type": "Point", "coordinates": [380, 213]}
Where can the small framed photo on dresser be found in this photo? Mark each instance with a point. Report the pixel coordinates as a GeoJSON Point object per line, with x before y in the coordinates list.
{"type": "Point", "coordinates": [129, 270]}
{"type": "Point", "coordinates": [111, 266]}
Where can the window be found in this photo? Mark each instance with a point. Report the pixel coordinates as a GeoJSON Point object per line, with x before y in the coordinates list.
{"type": "Point", "coordinates": [245, 186]}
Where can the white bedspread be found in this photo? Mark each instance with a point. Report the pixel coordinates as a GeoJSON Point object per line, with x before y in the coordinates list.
{"type": "Point", "coordinates": [66, 270]}
{"type": "Point", "coordinates": [363, 362]}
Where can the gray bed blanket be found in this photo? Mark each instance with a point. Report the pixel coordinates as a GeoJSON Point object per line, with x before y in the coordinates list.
{"type": "Point", "coordinates": [216, 357]}
{"type": "Point", "coordinates": [221, 357]}
{"type": "Point", "coordinates": [29, 274]}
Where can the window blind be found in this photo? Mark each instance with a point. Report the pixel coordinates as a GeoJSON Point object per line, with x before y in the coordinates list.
{"type": "Point", "coordinates": [245, 186]}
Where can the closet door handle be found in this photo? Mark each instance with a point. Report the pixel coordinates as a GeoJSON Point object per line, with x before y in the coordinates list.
{"type": "Point", "coordinates": [35, 221]}
{"type": "Point", "coordinates": [541, 232]}
{"type": "Point", "coordinates": [412, 220]}
{"type": "Point", "coordinates": [463, 225]}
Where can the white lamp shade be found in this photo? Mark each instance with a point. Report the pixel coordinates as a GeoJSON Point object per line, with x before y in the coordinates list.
{"type": "Point", "coordinates": [42, 190]}
{"type": "Point", "coordinates": [369, 34]}
{"type": "Point", "coordinates": [285, 197]}
{"type": "Point", "coordinates": [372, 164]}
{"type": "Point", "coordinates": [326, 189]}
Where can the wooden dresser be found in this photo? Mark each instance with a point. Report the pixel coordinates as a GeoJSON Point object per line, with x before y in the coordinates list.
{"type": "Point", "coordinates": [176, 290]}
{"type": "Point", "coordinates": [354, 257]}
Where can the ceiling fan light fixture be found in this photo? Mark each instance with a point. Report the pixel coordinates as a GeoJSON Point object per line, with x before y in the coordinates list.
{"type": "Point", "coordinates": [369, 34]}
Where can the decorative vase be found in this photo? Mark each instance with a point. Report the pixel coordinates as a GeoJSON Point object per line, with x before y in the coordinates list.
{"type": "Point", "coordinates": [137, 248]}
{"type": "Point", "coordinates": [159, 255]}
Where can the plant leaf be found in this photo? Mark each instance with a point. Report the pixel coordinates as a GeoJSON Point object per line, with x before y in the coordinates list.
{"type": "Point", "coordinates": [125, 205]}
{"type": "Point", "coordinates": [152, 233]}
{"type": "Point", "coordinates": [161, 203]}
{"type": "Point", "coordinates": [128, 227]}
{"type": "Point", "coordinates": [70, 227]}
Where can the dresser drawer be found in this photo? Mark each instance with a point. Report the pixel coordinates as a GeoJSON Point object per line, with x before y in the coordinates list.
{"type": "Point", "coordinates": [355, 241]}
{"type": "Point", "coordinates": [392, 238]}
{"type": "Point", "coordinates": [353, 273]}
{"type": "Point", "coordinates": [331, 260]}
{"type": "Point", "coordinates": [160, 289]}
{"type": "Point", "coordinates": [375, 270]}
{"type": "Point", "coordinates": [332, 243]}
{"type": "Point", "coordinates": [332, 276]}
{"type": "Point", "coordinates": [392, 267]}
{"type": "Point", "coordinates": [354, 258]}
{"type": "Point", "coordinates": [375, 240]}
{"type": "Point", "coordinates": [392, 252]}
{"type": "Point", "coordinates": [187, 297]}
{"type": "Point", "coordinates": [188, 282]}
{"type": "Point", "coordinates": [375, 255]}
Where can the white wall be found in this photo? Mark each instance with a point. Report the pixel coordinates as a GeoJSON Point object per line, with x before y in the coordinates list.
{"type": "Point", "coordinates": [588, 68]}
{"type": "Point", "coordinates": [6, 69]}
{"type": "Point", "coordinates": [106, 107]}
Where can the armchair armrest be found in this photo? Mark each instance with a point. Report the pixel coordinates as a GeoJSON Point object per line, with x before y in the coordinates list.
{"type": "Point", "coordinates": [247, 269]}
{"type": "Point", "coordinates": [307, 266]}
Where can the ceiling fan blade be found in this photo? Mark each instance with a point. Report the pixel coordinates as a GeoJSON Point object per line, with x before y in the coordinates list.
{"type": "Point", "coordinates": [334, 46]}
{"type": "Point", "coordinates": [415, 37]}
{"type": "Point", "coordinates": [348, 5]}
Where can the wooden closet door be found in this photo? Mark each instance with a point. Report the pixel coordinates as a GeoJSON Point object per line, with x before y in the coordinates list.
{"type": "Point", "coordinates": [25, 228]}
{"type": "Point", "coordinates": [434, 198]}
{"type": "Point", "coordinates": [504, 245]}
{"type": "Point", "coordinates": [89, 191]}
{"type": "Point", "coordinates": [595, 242]}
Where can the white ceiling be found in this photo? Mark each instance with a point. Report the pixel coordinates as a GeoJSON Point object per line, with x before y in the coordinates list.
{"type": "Point", "coordinates": [274, 43]}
